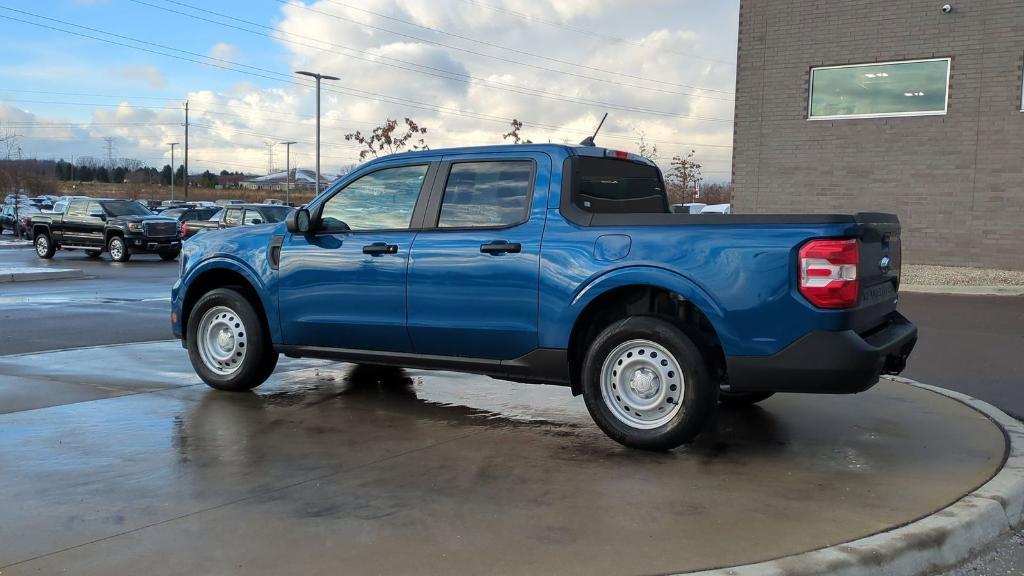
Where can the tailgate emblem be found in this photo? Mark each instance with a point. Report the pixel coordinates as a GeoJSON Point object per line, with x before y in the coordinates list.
{"type": "Point", "coordinates": [883, 264]}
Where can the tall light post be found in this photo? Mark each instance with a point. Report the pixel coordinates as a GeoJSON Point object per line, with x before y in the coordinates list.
{"type": "Point", "coordinates": [287, 169]}
{"type": "Point", "coordinates": [318, 77]}
{"type": "Point", "coordinates": [172, 145]}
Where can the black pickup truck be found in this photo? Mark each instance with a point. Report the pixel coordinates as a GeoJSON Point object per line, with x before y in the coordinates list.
{"type": "Point", "coordinates": [120, 227]}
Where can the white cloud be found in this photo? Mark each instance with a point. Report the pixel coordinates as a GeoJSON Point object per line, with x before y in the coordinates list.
{"type": "Point", "coordinates": [662, 43]}
{"type": "Point", "coordinates": [143, 73]}
{"type": "Point", "coordinates": [225, 51]}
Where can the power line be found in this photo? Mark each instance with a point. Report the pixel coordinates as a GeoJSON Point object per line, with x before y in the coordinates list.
{"type": "Point", "coordinates": [376, 59]}
{"type": "Point", "coordinates": [279, 76]}
{"type": "Point", "coordinates": [585, 32]}
{"type": "Point", "coordinates": [491, 44]}
{"type": "Point", "coordinates": [439, 72]}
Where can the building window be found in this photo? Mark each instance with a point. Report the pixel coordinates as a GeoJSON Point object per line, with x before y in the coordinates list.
{"type": "Point", "coordinates": [909, 88]}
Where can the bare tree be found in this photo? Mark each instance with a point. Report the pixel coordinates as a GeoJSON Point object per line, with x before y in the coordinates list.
{"type": "Point", "coordinates": [683, 177]}
{"type": "Point", "coordinates": [517, 125]}
{"type": "Point", "coordinates": [646, 149]}
{"type": "Point", "coordinates": [8, 141]}
{"type": "Point", "coordinates": [384, 140]}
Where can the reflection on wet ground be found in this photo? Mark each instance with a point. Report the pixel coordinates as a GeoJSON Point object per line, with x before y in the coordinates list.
{"type": "Point", "coordinates": [334, 468]}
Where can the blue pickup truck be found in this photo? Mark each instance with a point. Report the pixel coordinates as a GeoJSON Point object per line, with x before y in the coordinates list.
{"type": "Point", "coordinates": [551, 264]}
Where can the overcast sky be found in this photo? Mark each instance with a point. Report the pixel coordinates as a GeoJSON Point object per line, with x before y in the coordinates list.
{"type": "Point", "coordinates": [121, 69]}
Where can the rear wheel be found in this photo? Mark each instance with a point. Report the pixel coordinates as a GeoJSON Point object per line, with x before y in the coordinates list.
{"type": "Point", "coordinates": [118, 250]}
{"type": "Point", "coordinates": [725, 396]}
{"type": "Point", "coordinates": [227, 343]}
{"type": "Point", "coordinates": [44, 246]}
{"type": "Point", "coordinates": [646, 384]}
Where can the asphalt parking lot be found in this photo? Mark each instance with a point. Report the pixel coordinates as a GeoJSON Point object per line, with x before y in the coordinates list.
{"type": "Point", "coordinates": [121, 459]}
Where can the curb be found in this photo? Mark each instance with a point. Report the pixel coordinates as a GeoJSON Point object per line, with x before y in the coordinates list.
{"type": "Point", "coordinates": [937, 542]}
{"type": "Point", "coordinates": [32, 274]}
{"type": "Point", "coordinates": [964, 290]}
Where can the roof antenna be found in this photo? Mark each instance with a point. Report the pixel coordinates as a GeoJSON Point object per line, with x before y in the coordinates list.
{"type": "Point", "coordinates": [589, 140]}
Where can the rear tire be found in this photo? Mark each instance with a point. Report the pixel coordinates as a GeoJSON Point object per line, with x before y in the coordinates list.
{"type": "Point", "coordinates": [742, 398]}
{"type": "Point", "coordinates": [44, 246]}
{"type": "Point", "coordinates": [118, 249]}
{"type": "Point", "coordinates": [646, 384]}
{"type": "Point", "coordinates": [227, 344]}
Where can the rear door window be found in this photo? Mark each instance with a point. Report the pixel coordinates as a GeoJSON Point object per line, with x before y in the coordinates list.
{"type": "Point", "coordinates": [77, 208]}
{"type": "Point", "coordinates": [610, 186]}
{"type": "Point", "coordinates": [486, 194]}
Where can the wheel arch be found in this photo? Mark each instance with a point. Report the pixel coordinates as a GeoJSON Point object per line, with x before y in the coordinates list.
{"type": "Point", "coordinates": [651, 292]}
{"type": "Point", "coordinates": [224, 274]}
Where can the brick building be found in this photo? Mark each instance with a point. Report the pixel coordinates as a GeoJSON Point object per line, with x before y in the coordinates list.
{"type": "Point", "coordinates": [897, 106]}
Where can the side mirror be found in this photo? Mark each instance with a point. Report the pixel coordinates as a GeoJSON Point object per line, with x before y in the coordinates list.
{"type": "Point", "coordinates": [98, 214]}
{"type": "Point", "coordinates": [298, 221]}
{"type": "Point", "coordinates": [256, 221]}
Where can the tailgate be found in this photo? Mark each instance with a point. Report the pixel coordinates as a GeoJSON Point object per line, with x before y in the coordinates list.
{"type": "Point", "coordinates": [879, 267]}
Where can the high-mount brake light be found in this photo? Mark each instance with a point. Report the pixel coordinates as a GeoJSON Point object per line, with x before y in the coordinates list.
{"type": "Point", "coordinates": [617, 154]}
{"type": "Point", "coordinates": [828, 273]}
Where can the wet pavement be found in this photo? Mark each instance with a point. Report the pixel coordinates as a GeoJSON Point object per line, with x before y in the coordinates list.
{"type": "Point", "coordinates": [333, 469]}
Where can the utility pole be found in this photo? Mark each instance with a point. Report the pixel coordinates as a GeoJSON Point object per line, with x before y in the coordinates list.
{"type": "Point", "coordinates": [110, 152]}
{"type": "Point", "coordinates": [287, 170]}
{"type": "Point", "coordinates": [172, 144]}
{"type": "Point", "coordinates": [270, 157]}
{"type": "Point", "coordinates": [186, 151]}
{"type": "Point", "coordinates": [318, 77]}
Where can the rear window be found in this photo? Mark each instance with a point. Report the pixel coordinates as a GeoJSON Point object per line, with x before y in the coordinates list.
{"type": "Point", "coordinates": [275, 213]}
{"type": "Point", "coordinates": [610, 186]}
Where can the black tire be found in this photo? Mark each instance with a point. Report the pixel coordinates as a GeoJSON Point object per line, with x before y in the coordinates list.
{"type": "Point", "coordinates": [742, 398]}
{"type": "Point", "coordinates": [258, 358]}
{"type": "Point", "coordinates": [93, 253]}
{"type": "Point", "coordinates": [44, 246]}
{"type": "Point", "coordinates": [168, 255]}
{"type": "Point", "coordinates": [698, 392]}
{"type": "Point", "coordinates": [118, 249]}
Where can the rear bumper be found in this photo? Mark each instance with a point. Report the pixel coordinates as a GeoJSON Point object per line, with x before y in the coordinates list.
{"type": "Point", "coordinates": [823, 362]}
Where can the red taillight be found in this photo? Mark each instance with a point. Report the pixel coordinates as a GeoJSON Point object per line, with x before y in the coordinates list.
{"type": "Point", "coordinates": [828, 273]}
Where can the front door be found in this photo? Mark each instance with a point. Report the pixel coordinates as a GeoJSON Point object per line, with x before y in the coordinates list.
{"type": "Point", "coordinates": [474, 269]}
{"type": "Point", "coordinates": [343, 284]}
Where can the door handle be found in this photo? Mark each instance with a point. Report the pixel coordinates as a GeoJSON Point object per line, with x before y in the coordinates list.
{"type": "Point", "coordinates": [501, 247]}
{"type": "Point", "coordinates": [380, 248]}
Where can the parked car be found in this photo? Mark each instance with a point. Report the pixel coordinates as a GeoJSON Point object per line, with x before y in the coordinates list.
{"type": "Point", "coordinates": [237, 215]}
{"type": "Point", "coordinates": [552, 264]}
{"type": "Point", "coordinates": [120, 227]}
{"type": "Point", "coordinates": [227, 202]}
{"type": "Point", "coordinates": [23, 212]}
{"type": "Point", "coordinates": [189, 214]}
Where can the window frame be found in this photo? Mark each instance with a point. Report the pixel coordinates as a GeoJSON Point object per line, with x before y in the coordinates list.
{"type": "Point", "coordinates": [437, 194]}
{"type": "Point", "coordinates": [945, 103]}
{"type": "Point", "coordinates": [418, 210]}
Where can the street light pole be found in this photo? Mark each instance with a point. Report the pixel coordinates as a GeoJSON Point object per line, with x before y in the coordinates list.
{"type": "Point", "coordinates": [318, 77]}
{"type": "Point", "coordinates": [287, 170]}
{"type": "Point", "coordinates": [172, 144]}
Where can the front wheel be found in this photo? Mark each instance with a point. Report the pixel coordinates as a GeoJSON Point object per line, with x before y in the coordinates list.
{"type": "Point", "coordinates": [227, 344]}
{"type": "Point", "coordinates": [646, 384]}
{"type": "Point", "coordinates": [44, 246]}
{"type": "Point", "coordinates": [118, 250]}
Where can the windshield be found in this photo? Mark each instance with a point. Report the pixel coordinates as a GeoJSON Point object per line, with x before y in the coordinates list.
{"type": "Point", "coordinates": [274, 213]}
{"type": "Point", "coordinates": [125, 208]}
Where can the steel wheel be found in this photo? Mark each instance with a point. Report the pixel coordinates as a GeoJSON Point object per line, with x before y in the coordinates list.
{"type": "Point", "coordinates": [42, 245]}
{"type": "Point", "coordinates": [222, 339]}
{"type": "Point", "coordinates": [642, 384]}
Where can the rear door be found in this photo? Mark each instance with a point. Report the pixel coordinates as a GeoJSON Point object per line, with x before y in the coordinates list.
{"type": "Point", "coordinates": [474, 269]}
{"type": "Point", "coordinates": [75, 225]}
